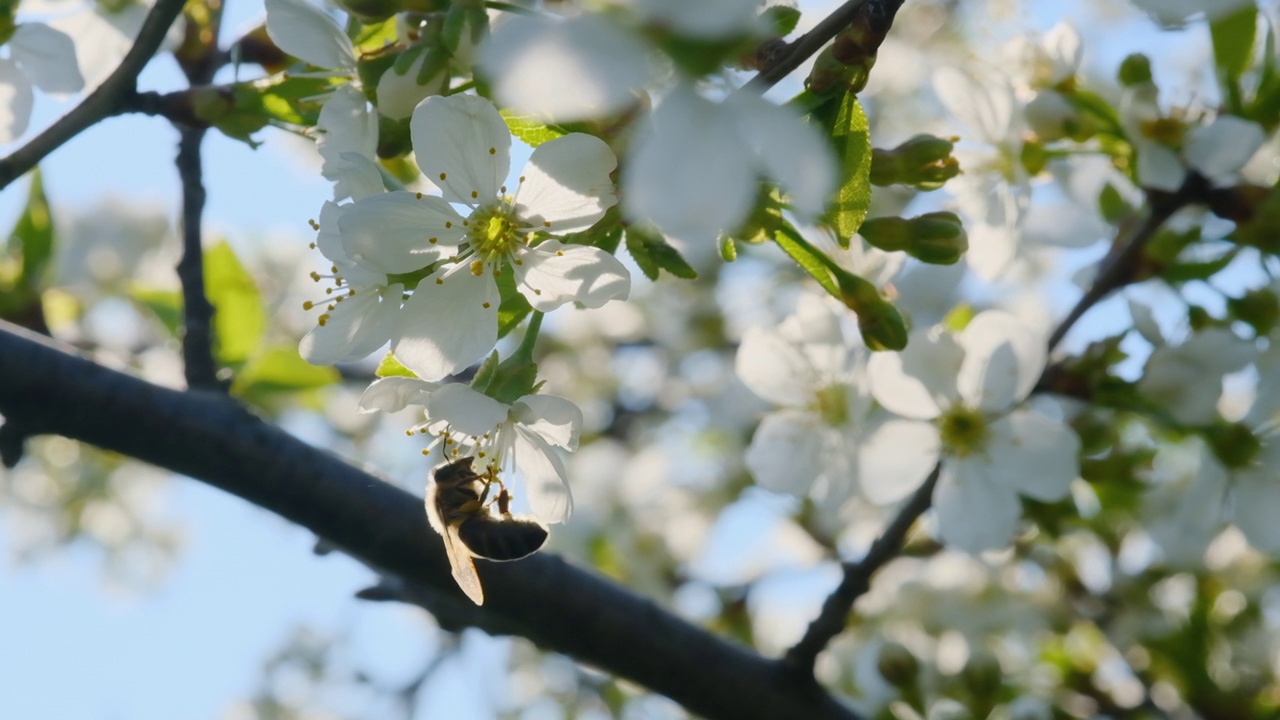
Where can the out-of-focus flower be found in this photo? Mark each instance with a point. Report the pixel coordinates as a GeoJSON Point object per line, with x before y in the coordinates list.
{"type": "Point", "coordinates": [463, 145]}
{"type": "Point", "coordinates": [1186, 380]}
{"type": "Point", "coordinates": [1175, 13]}
{"type": "Point", "coordinates": [825, 441]}
{"type": "Point", "coordinates": [963, 388]}
{"type": "Point", "coordinates": [39, 57]}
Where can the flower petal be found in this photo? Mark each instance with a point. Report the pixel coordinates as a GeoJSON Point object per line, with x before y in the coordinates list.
{"type": "Point", "coordinates": [400, 93]}
{"type": "Point", "coordinates": [974, 514]}
{"type": "Point", "coordinates": [354, 328]}
{"type": "Point", "coordinates": [887, 473]}
{"type": "Point", "coordinates": [345, 125]}
{"type": "Point", "coordinates": [553, 274]}
{"type": "Point", "coordinates": [786, 452]}
{"type": "Point", "coordinates": [690, 173]}
{"type": "Point", "coordinates": [987, 107]}
{"type": "Point", "coordinates": [466, 410]}
{"type": "Point", "coordinates": [918, 382]}
{"type": "Point", "coordinates": [16, 99]}
{"type": "Point", "coordinates": [399, 232]}
{"type": "Point", "coordinates": [544, 477]}
{"type": "Point", "coordinates": [775, 369]}
{"type": "Point", "coordinates": [1255, 498]}
{"type": "Point", "coordinates": [566, 187]}
{"type": "Point", "coordinates": [552, 418]}
{"type": "Point", "coordinates": [1034, 455]}
{"type": "Point", "coordinates": [463, 146]}
{"type": "Point", "coordinates": [791, 151]}
{"type": "Point", "coordinates": [449, 322]}
{"type": "Point", "coordinates": [354, 176]}
{"type": "Point", "coordinates": [1222, 147]}
{"type": "Point", "coordinates": [1003, 359]}
{"type": "Point", "coordinates": [307, 33]}
{"type": "Point", "coordinates": [576, 69]}
{"type": "Point", "coordinates": [47, 56]}
{"type": "Point", "coordinates": [1158, 167]}
{"type": "Point", "coordinates": [393, 394]}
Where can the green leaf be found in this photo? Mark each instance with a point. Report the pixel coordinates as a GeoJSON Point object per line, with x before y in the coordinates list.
{"type": "Point", "coordinates": [281, 369]}
{"type": "Point", "coordinates": [1233, 40]}
{"type": "Point", "coordinates": [239, 319]}
{"type": "Point", "coordinates": [32, 236]}
{"type": "Point", "coordinates": [166, 305]}
{"type": "Point", "coordinates": [810, 260]}
{"type": "Point", "coordinates": [514, 307]}
{"type": "Point", "coordinates": [531, 131]}
{"type": "Point", "coordinates": [782, 20]}
{"type": "Point", "coordinates": [391, 367]}
{"type": "Point", "coordinates": [652, 253]}
{"type": "Point", "coordinates": [850, 137]}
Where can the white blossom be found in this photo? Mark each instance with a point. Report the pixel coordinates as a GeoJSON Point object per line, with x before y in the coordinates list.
{"type": "Point", "coordinates": [38, 57]}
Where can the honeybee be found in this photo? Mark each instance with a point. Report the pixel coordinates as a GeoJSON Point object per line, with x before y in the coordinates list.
{"type": "Point", "coordinates": [458, 508]}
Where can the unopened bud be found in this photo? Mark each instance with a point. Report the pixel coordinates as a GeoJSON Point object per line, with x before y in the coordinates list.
{"type": "Point", "coordinates": [924, 162]}
{"type": "Point", "coordinates": [882, 326]}
{"type": "Point", "coordinates": [897, 665]}
{"type": "Point", "coordinates": [829, 75]}
{"type": "Point", "coordinates": [937, 238]}
{"type": "Point", "coordinates": [1134, 70]}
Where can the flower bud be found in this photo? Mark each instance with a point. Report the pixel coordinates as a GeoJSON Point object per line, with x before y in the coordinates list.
{"type": "Point", "coordinates": [937, 238]}
{"type": "Point", "coordinates": [897, 665]}
{"type": "Point", "coordinates": [1135, 70]}
{"type": "Point", "coordinates": [882, 326]}
{"type": "Point", "coordinates": [924, 162]}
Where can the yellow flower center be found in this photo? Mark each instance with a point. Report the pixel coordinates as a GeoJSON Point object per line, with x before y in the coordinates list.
{"type": "Point", "coordinates": [964, 431]}
{"type": "Point", "coordinates": [495, 232]}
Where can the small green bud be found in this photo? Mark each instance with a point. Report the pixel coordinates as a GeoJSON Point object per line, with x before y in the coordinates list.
{"type": "Point", "coordinates": [1134, 70]}
{"type": "Point", "coordinates": [887, 233]}
{"type": "Point", "coordinates": [924, 162]}
{"type": "Point", "coordinates": [937, 238]}
{"type": "Point", "coordinates": [882, 326]}
{"type": "Point", "coordinates": [897, 665]}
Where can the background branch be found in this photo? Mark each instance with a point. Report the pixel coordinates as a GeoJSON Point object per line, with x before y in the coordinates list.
{"type": "Point", "coordinates": [211, 438]}
{"type": "Point", "coordinates": [197, 312]}
{"type": "Point", "coordinates": [102, 102]}
{"type": "Point", "coordinates": [792, 56]}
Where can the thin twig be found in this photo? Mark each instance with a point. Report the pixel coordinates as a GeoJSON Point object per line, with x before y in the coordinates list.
{"type": "Point", "coordinates": [790, 58]}
{"type": "Point", "coordinates": [102, 102]}
{"type": "Point", "coordinates": [197, 323]}
{"type": "Point", "coordinates": [857, 580]}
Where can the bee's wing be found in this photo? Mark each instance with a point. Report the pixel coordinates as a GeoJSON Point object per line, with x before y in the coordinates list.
{"type": "Point", "coordinates": [464, 570]}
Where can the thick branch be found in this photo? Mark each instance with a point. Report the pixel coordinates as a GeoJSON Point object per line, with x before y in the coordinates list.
{"type": "Point", "coordinates": [556, 605]}
{"type": "Point", "coordinates": [857, 580]}
{"type": "Point", "coordinates": [197, 323]}
{"type": "Point", "coordinates": [794, 55]}
{"type": "Point", "coordinates": [103, 102]}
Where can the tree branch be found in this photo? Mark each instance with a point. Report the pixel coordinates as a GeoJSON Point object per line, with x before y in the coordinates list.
{"type": "Point", "coordinates": [197, 312]}
{"type": "Point", "coordinates": [562, 608]}
{"type": "Point", "coordinates": [857, 580]}
{"type": "Point", "coordinates": [102, 102]}
{"type": "Point", "coordinates": [793, 55]}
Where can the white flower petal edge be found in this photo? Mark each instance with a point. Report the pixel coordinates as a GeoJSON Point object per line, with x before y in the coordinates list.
{"type": "Point", "coordinates": [47, 56]}
{"type": "Point", "coordinates": [307, 33]}
{"type": "Point", "coordinates": [357, 326]}
{"type": "Point", "coordinates": [466, 410]}
{"type": "Point", "coordinates": [790, 150]}
{"type": "Point", "coordinates": [1034, 454]}
{"type": "Point", "coordinates": [393, 394]}
{"type": "Point", "coordinates": [565, 187]}
{"type": "Point", "coordinates": [554, 419]}
{"type": "Point", "coordinates": [553, 274]}
{"type": "Point", "coordinates": [974, 512]}
{"type": "Point", "coordinates": [544, 477]}
{"type": "Point", "coordinates": [399, 232]}
{"type": "Point", "coordinates": [895, 458]}
{"type": "Point", "coordinates": [1003, 359]}
{"type": "Point", "coordinates": [16, 100]}
{"type": "Point", "coordinates": [462, 146]}
{"type": "Point", "coordinates": [1222, 147]}
{"type": "Point", "coordinates": [918, 382]}
{"type": "Point", "coordinates": [449, 322]}
{"type": "Point", "coordinates": [345, 125]}
{"type": "Point", "coordinates": [580, 68]}
{"type": "Point", "coordinates": [774, 368]}
{"type": "Point", "coordinates": [786, 452]}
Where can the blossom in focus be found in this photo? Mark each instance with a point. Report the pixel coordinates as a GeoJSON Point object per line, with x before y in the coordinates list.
{"type": "Point", "coordinates": [463, 146]}
{"type": "Point", "coordinates": [993, 191]}
{"type": "Point", "coordinates": [38, 57]}
{"type": "Point", "coordinates": [361, 307]}
{"type": "Point", "coordinates": [524, 437]}
{"type": "Point", "coordinates": [825, 441]}
{"type": "Point", "coordinates": [694, 167]}
{"type": "Point", "coordinates": [963, 388]}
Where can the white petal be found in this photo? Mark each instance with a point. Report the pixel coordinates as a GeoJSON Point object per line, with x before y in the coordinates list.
{"type": "Point", "coordinates": [16, 99]}
{"type": "Point", "coordinates": [1255, 501]}
{"type": "Point", "coordinates": [354, 176]}
{"type": "Point", "coordinates": [895, 458]}
{"type": "Point", "coordinates": [399, 94]}
{"type": "Point", "coordinates": [356, 327]}
{"type": "Point", "coordinates": [689, 172]}
{"type": "Point", "coordinates": [1222, 147]}
{"type": "Point", "coordinates": [577, 69]}
{"type": "Point", "coordinates": [552, 418]}
{"type": "Point", "coordinates": [974, 514]}
{"type": "Point", "coordinates": [345, 125]}
{"type": "Point", "coordinates": [393, 394]}
{"type": "Point", "coordinates": [466, 410]}
{"type": "Point", "coordinates": [463, 146]}
{"type": "Point", "coordinates": [786, 452]}
{"type": "Point", "coordinates": [918, 382]}
{"type": "Point", "coordinates": [544, 477]}
{"type": "Point", "coordinates": [986, 107]}
{"type": "Point", "coordinates": [47, 56]}
{"type": "Point", "coordinates": [1033, 454]}
{"type": "Point", "coordinates": [1066, 49]}
{"type": "Point", "coordinates": [1003, 359]}
{"type": "Point", "coordinates": [705, 19]}
{"type": "Point", "coordinates": [553, 274]}
{"type": "Point", "coordinates": [1159, 167]}
{"type": "Point", "coordinates": [449, 322]}
{"type": "Point", "coordinates": [307, 33]}
{"type": "Point", "coordinates": [790, 150]}
{"type": "Point", "coordinates": [991, 249]}
{"type": "Point", "coordinates": [775, 369]}
{"type": "Point", "coordinates": [393, 232]}
{"type": "Point", "coordinates": [103, 37]}
{"type": "Point", "coordinates": [566, 187]}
